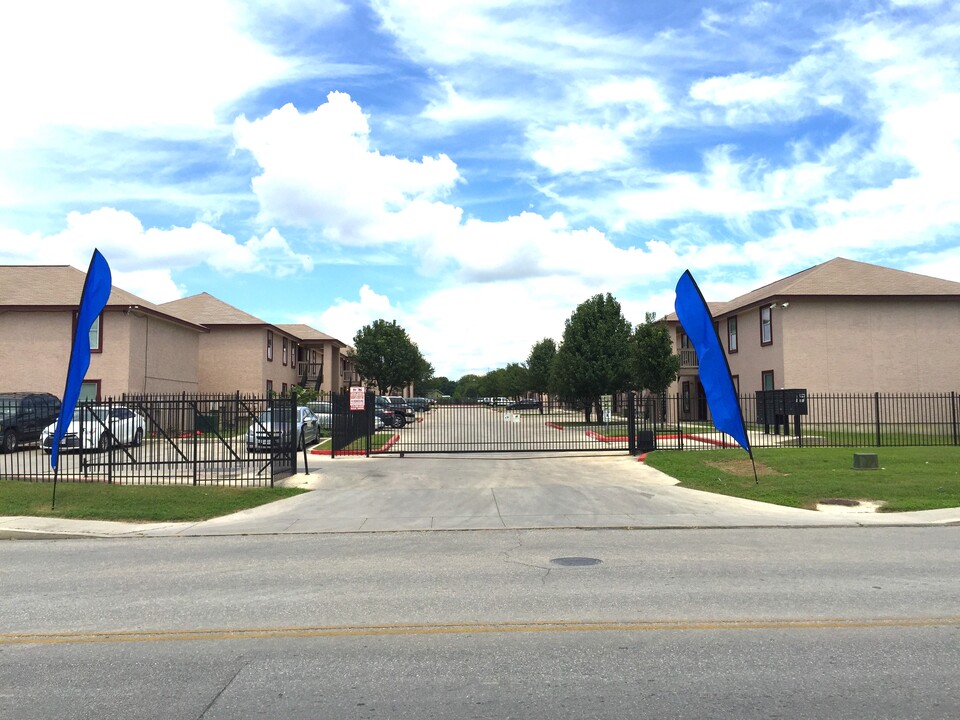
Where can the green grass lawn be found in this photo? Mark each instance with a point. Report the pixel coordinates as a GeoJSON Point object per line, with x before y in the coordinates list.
{"type": "Point", "coordinates": [135, 503]}
{"type": "Point", "coordinates": [909, 478]}
{"type": "Point", "coordinates": [376, 442]}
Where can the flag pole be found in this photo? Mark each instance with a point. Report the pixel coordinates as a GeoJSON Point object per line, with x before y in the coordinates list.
{"type": "Point", "coordinates": [93, 298]}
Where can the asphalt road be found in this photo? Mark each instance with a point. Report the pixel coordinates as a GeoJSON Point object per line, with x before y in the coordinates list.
{"type": "Point", "coordinates": [816, 622]}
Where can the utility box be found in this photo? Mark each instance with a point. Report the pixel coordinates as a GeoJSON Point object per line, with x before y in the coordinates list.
{"type": "Point", "coordinates": [866, 461]}
{"type": "Point", "coordinates": [774, 407]}
{"type": "Point", "coordinates": [646, 441]}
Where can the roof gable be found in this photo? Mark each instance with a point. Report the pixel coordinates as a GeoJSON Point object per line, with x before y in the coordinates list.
{"type": "Point", "coordinates": [848, 278]}
{"type": "Point", "coordinates": [54, 287]}
{"type": "Point", "coordinates": [205, 309]}
{"type": "Point", "coordinates": [841, 277]}
{"type": "Point", "coordinates": [306, 333]}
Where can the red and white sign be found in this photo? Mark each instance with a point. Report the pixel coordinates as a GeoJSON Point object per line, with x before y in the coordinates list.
{"type": "Point", "coordinates": [358, 398]}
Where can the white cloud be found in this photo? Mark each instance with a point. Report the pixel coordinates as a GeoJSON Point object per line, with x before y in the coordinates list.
{"type": "Point", "coordinates": [344, 318]}
{"type": "Point", "coordinates": [453, 106]}
{"type": "Point", "coordinates": [743, 88]}
{"type": "Point", "coordinates": [455, 326]}
{"type": "Point", "coordinates": [319, 169]}
{"type": "Point", "coordinates": [578, 148]}
{"type": "Point", "coordinates": [145, 258]}
{"type": "Point", "coordinates": [113, 64]}
{"type": "Point", "coordinates": [643, 91]}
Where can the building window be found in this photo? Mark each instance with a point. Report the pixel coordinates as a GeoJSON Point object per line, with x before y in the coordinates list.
{"type": "Point", "coordinates": [766, 379]}
{"type": "Point", "coordinates": [89, 391]}
{"type": "Point", "coordinates": [96, 336]}
{"type": "Point", "coordinates": [283, 391]}
{"type": "Point", "coordinates": [766, 325]}
{"type": "Point", "coordinates": [269, 388]}
{"type": "Point", "coordinates": [96, 333]}
{"type": "Point", "coordinates": [270, 345]}
{"type": "Point", "coordinates": [732, 335]}
{"type": "Point", "coordinates": [286, 349]}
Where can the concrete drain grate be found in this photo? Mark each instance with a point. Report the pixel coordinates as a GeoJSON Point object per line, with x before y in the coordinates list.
{"type": "Point", "coordinates": [575, 561]}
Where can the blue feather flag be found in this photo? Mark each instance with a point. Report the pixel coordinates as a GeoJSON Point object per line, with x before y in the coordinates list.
{"type": "Point", "coordinates": [694, 316]}
{"type": "Point", "coordinates": [96, 292]}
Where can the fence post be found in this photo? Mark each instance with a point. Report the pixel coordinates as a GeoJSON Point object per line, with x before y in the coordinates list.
{"type": "Point", "coordinates": [110, 440]}
{"type": "Point", "coordinates": [679, 428]}
{"type": "Point", "coordinates": [953, 416]}
{"type": "Point", "coordinates": [196, 454]}
{"type": "Point", "coordinates": [876, 410]}
{"type": "Point", "coordinates": [631, 423]}
{"type": "Point", "coordinates": [370, 404]}
{"type": "Point", "coordinates": [296, 440]}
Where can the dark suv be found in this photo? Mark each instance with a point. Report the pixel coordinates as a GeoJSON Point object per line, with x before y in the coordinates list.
{"type": "Point", "coordinates": [23, 416]}
{"type": "Point", "coordinates": [399, 404]}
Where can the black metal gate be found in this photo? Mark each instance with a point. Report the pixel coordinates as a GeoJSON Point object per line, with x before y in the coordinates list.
{"type": "Point", "coordinates": [168, 440]}
{"type": "Point", "coordinates": [352, 427]}
{"type": "Point", "coordinates": [496, 425]}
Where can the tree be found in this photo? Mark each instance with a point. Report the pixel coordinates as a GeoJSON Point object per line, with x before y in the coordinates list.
{"type": "Point", "coordinates": [515, 380]}
{"type": "Point", "coordinates": [468, 388]}
{"type": "Point", "coordinates": [491, 384]}
{"type": "Point", "coordinates": [385, 355]}
{"type": "Point", "coordinates": [593, 358]}
{"type": "Point", "coordinates": [539, 363]}
{"type": "Point", "coordinates": [441, 384]}
{"type": "Point", "coordinates": [654, 364]}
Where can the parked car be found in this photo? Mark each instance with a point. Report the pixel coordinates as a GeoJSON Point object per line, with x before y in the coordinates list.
{"type": "Point", "coordinates": [266, 430]}
{"type": "Point", "coordinates": [23, 416]}
{"type": "Point", "coordinates": [419, 404]}
{"type": "Point", "coordinates": [391, 416]}
{"type": "Point", "coordinates": [500, 402]}
{"type": "Point", "coordinates": [97, 427]}
{"type": "Point", "coordinates": [399, 404]}
{"type": "Point", "coordinates": [526, 404]}
{"type": "Point", "coordinates": [324, 412]}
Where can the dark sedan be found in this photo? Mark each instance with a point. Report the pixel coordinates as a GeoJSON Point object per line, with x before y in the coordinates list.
{"type": "Point", "coordinates": [526, 404]}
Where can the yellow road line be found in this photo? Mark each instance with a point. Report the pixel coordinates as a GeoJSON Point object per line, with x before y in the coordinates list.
{"type": "Point", "coordinates": [118, 636]}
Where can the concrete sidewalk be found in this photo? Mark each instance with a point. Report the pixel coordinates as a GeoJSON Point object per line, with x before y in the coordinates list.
{"type": "Point", "coordinates": [393, 494]}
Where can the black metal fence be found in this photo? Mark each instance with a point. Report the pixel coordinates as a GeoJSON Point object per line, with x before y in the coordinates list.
{"type": "Point", "coordinates": [166, 440]}
{"type": "Point", "coordinates": [636, 424]}
{"type": "Point", "coordinates": [820, 420]}
{"type": "Point", "coordinates": [501, 425]}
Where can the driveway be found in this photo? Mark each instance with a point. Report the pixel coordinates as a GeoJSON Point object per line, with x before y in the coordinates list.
{"type": "Point", "coordinates": [481, 492]}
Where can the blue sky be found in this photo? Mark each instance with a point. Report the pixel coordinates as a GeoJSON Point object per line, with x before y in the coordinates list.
{"type": "Point", "coordinates": [476, 169]}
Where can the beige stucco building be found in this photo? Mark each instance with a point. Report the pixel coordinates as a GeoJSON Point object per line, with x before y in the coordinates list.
{"type": "Point", "coordinates": [839, 327]}
{"type": "Point", "coordinates": [325, 358]}
{"type": "Point", "coordinates": [137, 347]}
{"type": "Point", "coordinates": [197, 344]}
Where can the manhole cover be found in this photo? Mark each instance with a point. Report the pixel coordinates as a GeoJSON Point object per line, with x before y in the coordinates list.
{"type": "Point", "coordinates": [575, 561]}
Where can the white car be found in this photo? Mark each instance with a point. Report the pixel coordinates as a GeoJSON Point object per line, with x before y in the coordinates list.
{"type": "Point", "coordinates": [97, 427]}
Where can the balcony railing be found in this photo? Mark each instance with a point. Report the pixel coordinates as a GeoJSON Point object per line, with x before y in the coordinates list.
{"type": "Point", "coordinates": [308, 372]}
{"type": "Point", "coordinates": [688, 358]}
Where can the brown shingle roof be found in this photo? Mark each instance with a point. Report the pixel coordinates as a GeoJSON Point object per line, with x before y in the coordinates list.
{"type": "Point", "coordinates": [841, 278]}
{"type": "Point", "coordinates": [205, 309]}
{"type": "Point", "coordinates": [305, 332]}
{"type": "Point", "coordinates": [57, 287]}
{"type": "Point", "coordinates": [848, 278]}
